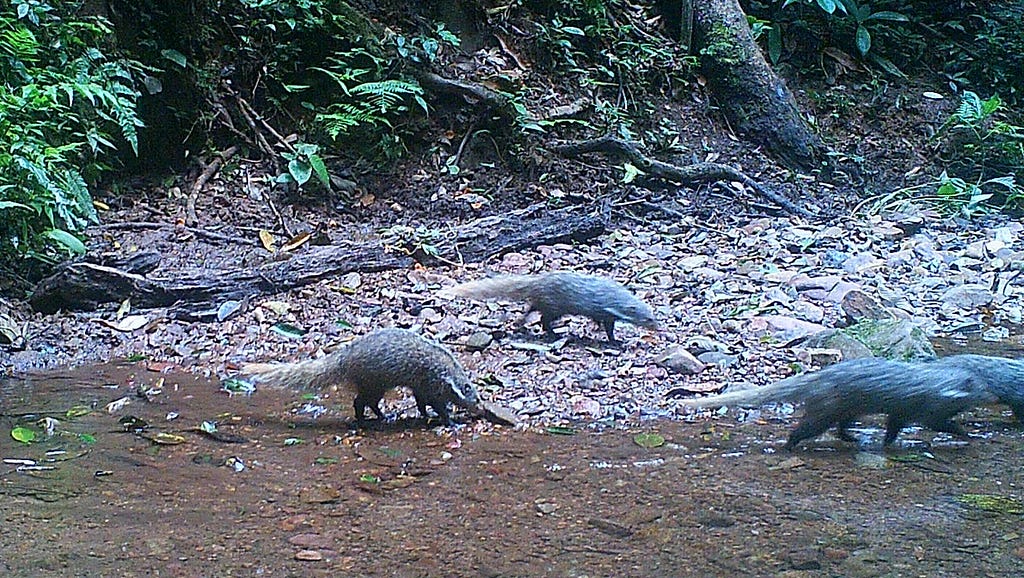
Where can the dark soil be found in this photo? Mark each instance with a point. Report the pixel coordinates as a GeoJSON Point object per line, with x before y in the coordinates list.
{"type": "Point", "coordinates": [717, 498]}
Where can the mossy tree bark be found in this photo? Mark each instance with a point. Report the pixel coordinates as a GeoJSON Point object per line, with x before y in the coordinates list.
{"type": "Point", "coordinates": [753, 97]}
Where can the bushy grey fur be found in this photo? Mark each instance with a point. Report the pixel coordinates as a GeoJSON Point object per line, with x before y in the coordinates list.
{"type": "Point", "coordinates": [929, 393]}
{"type": "Point", "coordinates": [379, 361]}
{"type": "Point", "coordinates": [558, 294]}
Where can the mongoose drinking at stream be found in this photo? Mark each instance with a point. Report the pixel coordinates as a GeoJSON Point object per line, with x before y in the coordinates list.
{"type": "Point", "coordinates": [929, 393]}
{"type": "Point", "coordinates": [377, 362]}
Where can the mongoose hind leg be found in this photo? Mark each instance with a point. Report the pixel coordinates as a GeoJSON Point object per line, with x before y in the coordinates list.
{"type": "Point", "coordinates": [609, 328]}
{"type": "Point", "coordinates": [947, 426]}
{"type": "Point", "coordinates": [363, 401]}
{"type": "Point", "coordinates": [893, 427]}
{"type": "Point", "coordinates": [843, 431]}
{"type": "Point", "coordinates": [809, 428]}
{"type": "Point", "coordinates": [440, 408]}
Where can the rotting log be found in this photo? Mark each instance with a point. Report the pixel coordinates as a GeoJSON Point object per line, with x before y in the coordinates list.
{"type": "Point", "coordinates": [197, 293]}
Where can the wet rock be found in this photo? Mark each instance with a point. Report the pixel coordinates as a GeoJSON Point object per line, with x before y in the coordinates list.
{"type": "Point", "coordinates": [858, 306]}
{"type": "Point", "coordinates": [498, 413]}
{"type": "Point", "coordinates": [585, 406]}
{"type": "Point", "coordinates": [546, 508]}
{"type": "Point", "coordinates": [820, 357]}
{"type": "Point", "coordinates": [717, 358]}
{"type": "Point", "coordinates": [311, 541]}
{"type": "Point", "coordinates": [680, 361]}
{"type": "Point", "coordinates": [865, 564]}
{"type": "Point", "coordinates": [834, 339]}
{"type": "Point", "coordinates": [805, 559]}
{"type": "Point", "coordinates": [309, 556]}
{"type": "Point", "coordinates": [861, 263]}
{"type": "Point", "coordinates": [479, 341]}
{"type": "Point", "coordinates": [808, 311]}
{"type": "Point", "coordinates": [837, 293]}
{"type": "Point", "coordinates": [319, 495]}
{"type": "Point", "coordinates": [783, 328]}
{"type": "Point", "coordinates": [899, 339]}
{"type": "Point", "coordinates": [833, 258]}
{"type": "Point", "coordinates": [966, 297]}
{"type": "Point", "coordinates": [804, 282]}
{"type": "Point", "coordinates": [701, 344]}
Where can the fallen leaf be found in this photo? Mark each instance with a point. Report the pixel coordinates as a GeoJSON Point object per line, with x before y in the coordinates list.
{"type": "Point", "coordinates": [267, 238]}
{"type": "Point", "coordinates": [295, 242]}
{"type": "Point", "coordinates": [23, 435]}
{"type": "Point", "coordinates": [649, 440]}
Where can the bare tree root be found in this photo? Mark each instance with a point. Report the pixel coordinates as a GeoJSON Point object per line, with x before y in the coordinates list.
{"type": "Point", "coordinates": [697, 173]}
{"type": "Point", "coordinates": [197, 187]}
{"type": "Point", "coordinates": [502, 103]}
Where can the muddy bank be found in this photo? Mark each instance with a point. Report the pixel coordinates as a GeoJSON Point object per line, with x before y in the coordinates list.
{"type": "Point", "coordinates": [305, 496]}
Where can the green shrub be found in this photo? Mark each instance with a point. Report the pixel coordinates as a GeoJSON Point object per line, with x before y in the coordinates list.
{"type": "Point", "coordinates": [62, 101]}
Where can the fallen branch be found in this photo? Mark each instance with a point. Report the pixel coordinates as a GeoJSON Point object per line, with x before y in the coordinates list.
{"type": "Point", "coordinates": [133, 225]}
{"type": "Point", "coordinates": [697, 173]}
{"type": "Point", "coordinates": [195, 294]}
{"type": "Point", "coordinates": [500, 102]}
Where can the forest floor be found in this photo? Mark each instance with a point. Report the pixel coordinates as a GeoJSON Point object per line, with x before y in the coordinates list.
{"type": "Point", "coordinates": [724, 273]}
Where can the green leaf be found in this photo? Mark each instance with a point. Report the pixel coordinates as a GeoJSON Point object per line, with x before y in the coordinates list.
{"type": "Point", "coordinates": [573, 30]}
{"type": "Point", "coordinates": [828, 6]}
{"type": "Point", "coordinates": [369, 479]}
{"type": "Point", "coordinates": [992, 503]}
{"type": "Point", "coordinates": [77, 411]}
{"type": "Point", "coordinates": [562, 431]}
{"type": "Point", "coordinates": [774, 44]}
{"type": "Point", "coordinates": [13, 205]}
{"type": "Point", "coordinates": [294, 441]}
{"type": "Point", "coordinates": [236, 385]}
{"type": "Point", "coordinates": [208, 427]}
{"type": "Point", "coordinates": [23, 435]}
{"type": "Point", "coordinates": [863, 40]}
{"type": "Point", "coordinates": [321, 170]}
{"type": "Point", "coordinates": [299, 171]}
{"type": "Point", "coordinates": [287, 330]}
{"type": "Point", "coordinates": [175, 57]}
{"type": "Point", "coordinates": [649, 440]}
{"type": "Point", "coordinates": [886, 15]}
{"type": "Point", "coordinates": [69, 241]}
{"type": "Point", "coordinates": [631, 173]}
{"type": "Point", "coordinates": [88, 439]}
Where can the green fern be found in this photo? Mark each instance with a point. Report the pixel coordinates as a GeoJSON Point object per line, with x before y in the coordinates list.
{"type": "Point", "coordinates": [387, 95]}
{"type": "Point", "coordinates": [64, 104]}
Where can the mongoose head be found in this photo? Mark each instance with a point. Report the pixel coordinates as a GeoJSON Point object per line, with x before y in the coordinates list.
{"type": "Point", "coordinates": [637, 313]}
{"type": "Point", "coordinates": [465, 395]}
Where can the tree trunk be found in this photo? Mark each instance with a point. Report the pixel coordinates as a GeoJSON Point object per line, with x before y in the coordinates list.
{"type": "Point", "coordinates": [754, 99]}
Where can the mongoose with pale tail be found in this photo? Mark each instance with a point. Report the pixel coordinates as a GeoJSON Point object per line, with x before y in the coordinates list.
{"type": "Point", "coordinates": [558, 294]}
{"type": "Point", "coordinates": [377, 362]}
{"type": "Point", "coordinates": [929, 393]}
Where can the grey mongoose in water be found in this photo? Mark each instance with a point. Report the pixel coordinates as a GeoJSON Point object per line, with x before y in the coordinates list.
{"type": "Point", "coordinates": [377, 362]}
{"type": "Point", "coordinates": [564, 293]}
{"type": "Point", "coordinates": [929, 393]}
